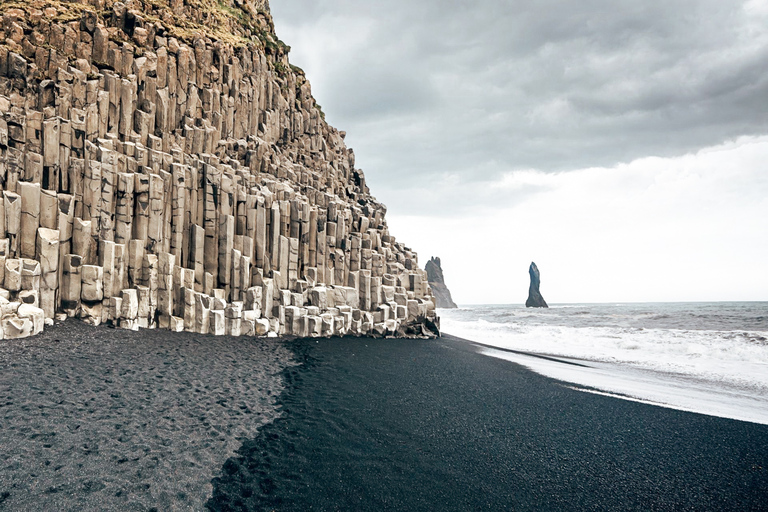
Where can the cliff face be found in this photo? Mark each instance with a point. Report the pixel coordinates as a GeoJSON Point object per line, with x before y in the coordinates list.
{"type": "Point", "coordinates": [163, 164]}
{"type": "Point", "coordinates": [437, 282]}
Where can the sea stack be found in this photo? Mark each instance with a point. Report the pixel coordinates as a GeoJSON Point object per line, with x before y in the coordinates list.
{"type": "Point", "coordinates": [437, 282]}
{"type": "Point", "coordinates": [162, 164]}
{"type": "Point", "coordinates": [535, 300]}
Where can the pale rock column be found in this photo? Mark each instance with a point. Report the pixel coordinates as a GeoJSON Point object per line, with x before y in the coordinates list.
{"type": "Point", "coordinates": [339, 267]}
{"type": "Point", "coordinates": [30, 218]}
{"type": "Point", "coordinates": [12, 281]}
{"type": "Point", "coordinates": [115, 309]}
{"type": "Point", "coordinates": [211, 226]}
{"type": "Point", "coordinates": [293, 261]}
{"type": "Point", "coordinates": [197, 255]}
{"type": "Point", "coordinates": [322, 249]}
{"type": "Point", "coordinates": [141, 206]}
{"type": "Point", "coordinates": [233, 314]}
{"type": "Point", "coordinates": [166, 262]}
{"type": "Point", "coordinates": [145, 312]}
{"type": "Point", "coordinates": [66, 220]}
{"type": "Point", "coordinates": [267, 298]}
{"type": "Point", "coordinates": [189, 309]}
{"type": "Point", "coordinates": [92, 283]}
{"type": "Point", "coordinates": [135, 261]}
{"type": "Point", "coordinates": [149, 279]}
{"type": "Point", "coordinates": [235, 278]}
{"type": "Point", "coordinates": [245, 274]}
{"type": "Point", "coordinates": [3, 258]}
{"type": "Point", "coordinates": [48, 253]}
{"type": "Point", "coordinates": [12, 204]}
{"type": "Point", "coordinates": [92, 199]}
{"type": "Point", "coordinates": [124, 208]}
{"type": "Point", "coordinates": [71, 284]}
{"type": "Point", "coordinates": [49, 209]}
{"type": "Point", "coordinates": [81, 239]}
{"type": "Point", "coordinates": [2, 218]}
{"type": "Point", "coordinates": [226, 241]}
{"type": "Point", "coordinates": [283, 262]}
{"type": "Point", "coordinates": [178, 211]}
{"type": "Point", "coordinates": [354, 253]}
{"type": "Point", "coordinates": [312, 238]}
{"type": "Point", "coordinates": [304, 244]}
{"type": "Point", "coordinates": [156, 209]}
{"type": "Point", "coordinates": [107, 205]}
{"type": "Point", "coordinates": [253, 298]}
{"type": "Point", "coordinates": [129, 309]}
{"type": "Point", "coordinates": [274, 234]}
{"type": "Point", "coordinates": [375, 292]}
{"type": "Point", "coordinates": [260, 233]}
{"type": "Point", "coordinates": [120, 276]}
{"type": "Point", "coordinates": [217, 324]}
{"type": "Point", "coordinates": [30, 275]}
{"type": "Point", "coordinates": [202, 313]}
{"type": "Point", "coordinates": [365, 290]}
{"type": "Point", "coordinates": [107, 262]}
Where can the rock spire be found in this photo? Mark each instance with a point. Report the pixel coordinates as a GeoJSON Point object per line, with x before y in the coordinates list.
{"type": "Point", "coordinates": [437, 282]}
{"type": "Point", "coordinates": [162, 164]}
{"type": "Point", "coordinates": [535, 300]}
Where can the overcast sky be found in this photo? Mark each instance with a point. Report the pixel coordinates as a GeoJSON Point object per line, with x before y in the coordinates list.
{"type": "Point", "coordinates": [620, 145]}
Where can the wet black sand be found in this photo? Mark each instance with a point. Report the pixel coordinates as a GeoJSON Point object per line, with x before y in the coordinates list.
{"type": "Point", "coordinates": [433, 425]}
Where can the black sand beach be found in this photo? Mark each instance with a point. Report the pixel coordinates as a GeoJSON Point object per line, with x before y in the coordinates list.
{"type": "Point", "coordinates": [432, 425]}
{"type": "Point", "coordinates": [99, 419]}
{"type": "Point", "coordinates": [108, 419]}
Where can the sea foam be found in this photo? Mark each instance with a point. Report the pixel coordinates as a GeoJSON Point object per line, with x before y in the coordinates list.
{"type": "Point", "coordinates": [642, 351]}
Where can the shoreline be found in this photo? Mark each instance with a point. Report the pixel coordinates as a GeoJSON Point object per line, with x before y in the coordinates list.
{"type": "Point", "coordinates": [411, 425]}
{"type": "Point", "coordinates": [627, 382]}
{"type": "Point", "coordinates": [342, 423]}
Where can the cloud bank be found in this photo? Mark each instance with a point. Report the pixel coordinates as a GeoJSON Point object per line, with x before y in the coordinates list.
{"type": "Point", "coordinates": [573, 126]}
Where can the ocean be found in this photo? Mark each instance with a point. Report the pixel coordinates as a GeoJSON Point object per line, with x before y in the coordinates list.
{"type": "Point", "coordinates": [708, 357]}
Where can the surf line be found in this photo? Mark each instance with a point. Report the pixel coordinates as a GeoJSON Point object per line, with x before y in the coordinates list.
{"type": "Point", "coordinates": [529, 354]}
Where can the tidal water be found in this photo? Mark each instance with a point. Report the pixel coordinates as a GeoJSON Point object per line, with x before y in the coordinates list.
{"type": "Point", "coordinates": [710, 358]}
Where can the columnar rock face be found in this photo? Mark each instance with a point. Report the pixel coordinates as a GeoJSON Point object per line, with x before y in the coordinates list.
{"type": "Point", "coordinates": [163, 165]}
{"type": "Point", "coordinates": [535, 300]}
{"type": "Point", "coordinates": [437, 283]}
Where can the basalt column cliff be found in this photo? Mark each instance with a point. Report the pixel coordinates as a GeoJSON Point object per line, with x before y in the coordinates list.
{"type": "Point", "coordinates": [162, 164]}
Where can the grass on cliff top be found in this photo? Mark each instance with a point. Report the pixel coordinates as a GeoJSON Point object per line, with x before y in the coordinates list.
{"type": "Point", "coordinates": [222, 20]}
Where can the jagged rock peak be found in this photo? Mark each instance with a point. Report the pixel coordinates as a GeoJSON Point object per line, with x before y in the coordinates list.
{"type": "Point", "coordinates": [535, 300]}
{"type": "Point", "coordinates": [437, 282]}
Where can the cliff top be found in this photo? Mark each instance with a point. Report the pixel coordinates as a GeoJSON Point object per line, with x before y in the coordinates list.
{"type": "Point", "coordinates": [238, 22]}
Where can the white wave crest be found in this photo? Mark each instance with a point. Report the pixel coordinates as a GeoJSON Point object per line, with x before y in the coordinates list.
{"type": "Point", "coordinates": [737, 358]}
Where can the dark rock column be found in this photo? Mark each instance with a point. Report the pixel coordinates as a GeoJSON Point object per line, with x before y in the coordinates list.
{"type": "Point", "coordinates": [535, 300]}
{"type": "Point", "coordinates": [437, 283]}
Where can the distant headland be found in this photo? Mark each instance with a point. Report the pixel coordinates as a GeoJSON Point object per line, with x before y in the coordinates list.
{"type": "Point", "coordinates": [437, 282]}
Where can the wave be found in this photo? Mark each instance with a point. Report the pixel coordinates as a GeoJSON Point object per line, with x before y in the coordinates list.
{"type": "Point", "coordinates": [737, 358]}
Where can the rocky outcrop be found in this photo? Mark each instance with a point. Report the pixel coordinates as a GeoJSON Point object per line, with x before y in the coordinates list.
{"type": "Point", "coordinates": [535, 300]}
{"type": "Point", "coordinates": [437, 282]}
{"type": "Point", "coordinates": [162, 164]}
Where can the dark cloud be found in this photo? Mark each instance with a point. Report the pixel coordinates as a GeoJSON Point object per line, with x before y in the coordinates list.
{"type": "Point", "coordinates": [475, 89]}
